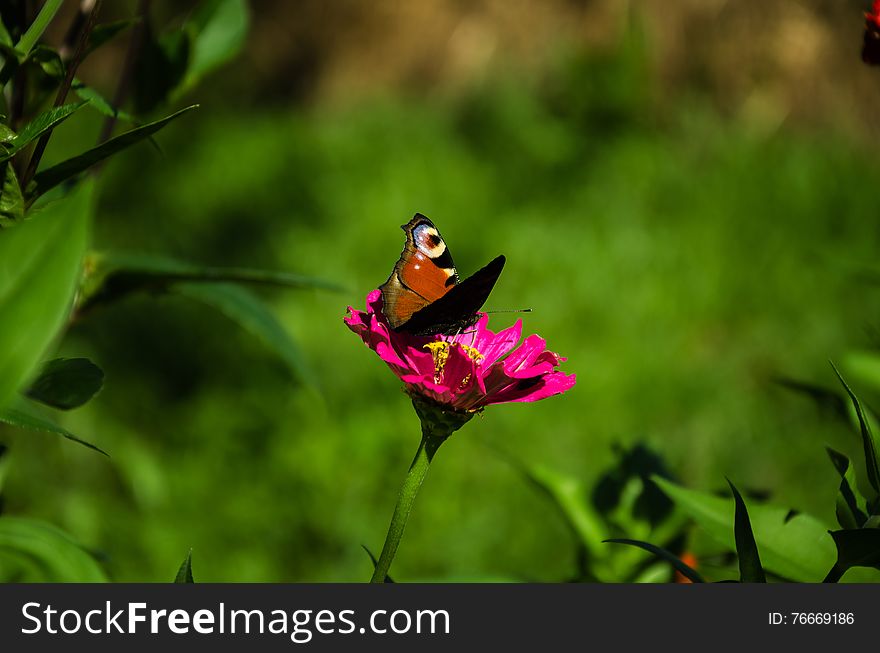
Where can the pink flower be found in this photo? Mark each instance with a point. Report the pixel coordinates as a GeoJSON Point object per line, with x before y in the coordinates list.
{"type": "Point", "coordinates": [468, 371]}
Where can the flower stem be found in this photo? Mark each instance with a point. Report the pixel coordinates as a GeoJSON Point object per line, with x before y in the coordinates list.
{"type": "Point", "coordinates": [408, 491]}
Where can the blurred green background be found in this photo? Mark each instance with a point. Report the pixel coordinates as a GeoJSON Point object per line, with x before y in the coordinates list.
{"type": "Point", "coordinates": [685, 193]}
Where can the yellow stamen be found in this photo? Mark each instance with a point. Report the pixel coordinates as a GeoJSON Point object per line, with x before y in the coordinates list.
{"type": "Point", "coordinates": [440, 353]}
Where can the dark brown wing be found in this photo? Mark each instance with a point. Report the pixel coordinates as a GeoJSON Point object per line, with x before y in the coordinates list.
{"type": "Point", "coordinates": [457, 309]}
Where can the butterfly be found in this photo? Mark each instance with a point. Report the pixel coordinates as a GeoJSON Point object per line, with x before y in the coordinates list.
{"type": "Point", "coordinates": [423, 295]}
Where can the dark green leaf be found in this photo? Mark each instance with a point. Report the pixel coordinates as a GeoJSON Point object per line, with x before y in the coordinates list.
{"type": "Point", "coordinates": [106, 32]}
{"type": "Point", "coordinates": [185, 574]}
{"type": "Point", "coordinates": [6, 134]}
{"type": "Point", "coordinates": [242, 306]}
{"type": "Point", "coordinates": [5, 38]}
{"type": "Point", "coordinates": [849, 515]}
{"type": "Point", "coordinates": [750, 569]}
{"type": "Point", "coordinates": [41, 266]}
{"type": "Point", "coordinates": [161, 67]}
{"type": "Point", "coordinates": [796, 549]}
{"type": "Point", "coordinates": [220, 28]}
{"type": "Point", "coordinates": [67, 383]}
{"type": "Point", "coordinates": [99, 103]}
{"type": "Point", "coordinates": [569, 495]}
{"type": "Point", "coordinates": [34, 551]}
{"type": "Point", "coordinates": [38, 126]}
{"type": "Point", "coordinates": [51, 177]}
{"type": "Point", "coordinates": [115, 275]}
{"type": "Point", "coordinates": [375, 562]}
{"type": "Point", "coordinates": [855, 548]}
{"type": "Point", "coordinates": [24, 414]}
{"type": "Point", "coordinates": [872, 462]}
{"type": "Point", "coordinates": [49, 60]}
{"type": "Point", "coordinates": [11, 200]}
{"type": "Point", "coordinates": [685, 570]}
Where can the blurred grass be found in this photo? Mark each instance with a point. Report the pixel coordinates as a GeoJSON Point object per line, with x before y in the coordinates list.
{"type": "Point", "coordinates": [680, 260]}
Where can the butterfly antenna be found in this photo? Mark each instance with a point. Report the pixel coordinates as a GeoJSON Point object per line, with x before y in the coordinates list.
{"type": "Point", "coordinates": [511, 310]}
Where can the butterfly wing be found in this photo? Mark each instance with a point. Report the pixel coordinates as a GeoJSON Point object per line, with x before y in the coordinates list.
{"type": "Point", "coordinates": [457, 308]}
{"type": "Point", "coordinates": [423, 274]}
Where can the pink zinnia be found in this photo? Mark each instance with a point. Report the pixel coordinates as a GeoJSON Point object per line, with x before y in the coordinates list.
{"type": "Point", "coordinates": [468, 371]}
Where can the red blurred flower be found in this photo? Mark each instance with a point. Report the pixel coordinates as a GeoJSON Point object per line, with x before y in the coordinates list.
{"type": "Point", "coordinates": [871, 42]}
{"type": "Point", "coordinates": [468, 371]}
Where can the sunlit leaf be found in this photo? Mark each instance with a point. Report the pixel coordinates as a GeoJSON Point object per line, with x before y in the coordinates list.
{"type": "Point", "coordinates": [51, 177]}
{"type": "Point", "coordinates": [38, 126]}
{"type": "Point", "coordinates": [685, 570]}
{"type": "Point", "coordinates": [750, 569]}
{"type": "Point", "coordinates": [34, 551]}
{"type": "Point", "coordinates": [40, 263]}
{"type": "Point", "coordinates": [66, 383]}
{"type": "Point", "coordinates": [245, 308]}
{"type": "Point", "coordinates": [185, 574]}
{"type": "Point", "coordinates": [855, 548]}
{"type": "Point", "coordinates": [849, 514]}
{"type": "Point", "coordinates": [24, 414]}
{"type": "Point", "coordinates": [796, 548]}
{"type": "Point", "coordinates": [872, 462]}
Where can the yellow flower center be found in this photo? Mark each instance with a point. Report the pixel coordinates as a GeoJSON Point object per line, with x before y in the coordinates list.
{"type": "Point", "coordinates": [440, 353]}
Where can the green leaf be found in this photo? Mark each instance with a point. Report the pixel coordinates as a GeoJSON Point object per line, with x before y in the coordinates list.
{"type": "Point", "coordinates": [41, 259]}
{"type": "Point", "coordinates": [569, 495]}
{"type": "Point", "coordinates": [34, 551]}
{"type": "Point", "coordinates": [161, 67]}
{"type": "Point", "coordinates": [388, 579]}
{"type": "Point", "coordinates": [872, 462]}
{"type": "Point", "coordinates": [849, 515]}
{"type": "Point", "coordinates": [48, 60]}
{"type": "Point", "coordinates": [51, 177]}
{"type": "Point", "coordinates": [114, 275]}
{"type": "Point", "coordinates": [185, 573]}
{"type": "Point", "coordinates": [22, 413]}
{"type": "Point", "coordinates": [106, 32]}
{"type": "Point", "coordinates": [11, 200]}
{"type": "Point", "coordinates": [99, 103]}
{"type": "Point", "coordinates": [220, 28]}
{"type": "Point", "coordinates": [796, 549]}
{"type": "Point", "coordinates": [858, 547]}
{"type": "Point", "coordinates": [6, 134]}
{"type": "Point", "coordinates": [5, 38]}
{"type": "Point", "coordinates": [67, 383]}
{"type": "Point", "coordinates": [750, 569]}
{"type": "Point", "coordinates": [29, 39]}
{"type": "Point", "coordinates": [685, 570]}
{"type": "Point", "coordinates": [243, 307]}
{"type": "Point", "coordinates": [38, 126]}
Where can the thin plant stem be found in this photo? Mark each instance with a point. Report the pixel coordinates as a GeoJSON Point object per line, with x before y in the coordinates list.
{"type": "Point", "coordinates": [135, 45]}
{"type": "Point", "coordinates": [62, 91]}
{"type": "Point", "coordinates": [408, 491]}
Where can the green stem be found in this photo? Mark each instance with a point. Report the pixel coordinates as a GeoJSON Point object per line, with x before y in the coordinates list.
{"type": "Point", "coordinates": [408, 491]}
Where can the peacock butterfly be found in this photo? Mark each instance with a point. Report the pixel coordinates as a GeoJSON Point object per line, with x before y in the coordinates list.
{"type": "Point", "coordinates": [423, 295]}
